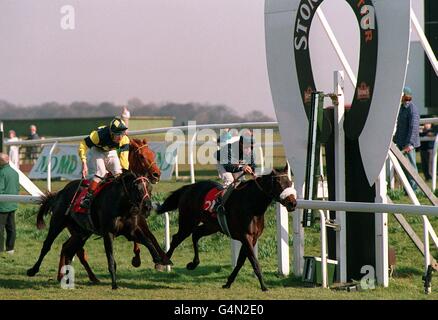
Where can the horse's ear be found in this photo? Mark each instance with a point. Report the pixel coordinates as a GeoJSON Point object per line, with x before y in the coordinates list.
{"type": "Point", "coordinates": [274, 172]}
{"type": "Point", "coordinates": [145, 142]}
{"type": "Point", "coordinates": [286, 168]}
{"type": "Point", "coordinates": [134, 142]}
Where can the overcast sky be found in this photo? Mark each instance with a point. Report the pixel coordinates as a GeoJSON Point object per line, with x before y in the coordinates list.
{"type": "Point", "coordinates": [207, 51]}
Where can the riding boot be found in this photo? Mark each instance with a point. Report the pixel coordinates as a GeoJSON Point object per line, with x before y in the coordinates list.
{"type": "Point", "coordinates": [221, 199]}
{"type": "Point", "coordinates": [86, 202]}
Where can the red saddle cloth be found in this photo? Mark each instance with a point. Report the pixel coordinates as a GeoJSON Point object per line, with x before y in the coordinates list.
{"type": "Point", "coordinates": [83, 192]}
{"type": "Point", "coordinates": [210, 201]}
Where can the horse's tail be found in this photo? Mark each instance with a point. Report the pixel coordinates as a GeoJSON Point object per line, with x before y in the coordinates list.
{"type": "Point", "coordinates": [46, 205]}
{"type": "Point", "coordinates": [171, 203]}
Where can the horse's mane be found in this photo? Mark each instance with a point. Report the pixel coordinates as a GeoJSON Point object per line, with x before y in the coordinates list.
{"type": "Point", "coordinates": [139, 141]}
{"type": "Point", "coordinates": [125, 173]}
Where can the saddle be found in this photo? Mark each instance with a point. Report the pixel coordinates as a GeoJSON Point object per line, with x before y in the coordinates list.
{"type": "Point", "coordinates": [210, 201]}
{"type": "Point", "coordinates": [211, 204]}
{"type": "Point", "coordinates": [83, 192]}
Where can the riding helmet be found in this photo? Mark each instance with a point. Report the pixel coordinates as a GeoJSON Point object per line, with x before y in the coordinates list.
{"type": "Point", "coordinates": [117, 126]}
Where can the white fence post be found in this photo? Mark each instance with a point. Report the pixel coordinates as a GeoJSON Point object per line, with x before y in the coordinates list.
{"type": "Point", "coordinates": [381, 227]}
{"type": "Point", "coordinates": [49, 167]}
{"type": "Point", "coordinates": [167, 235]}
{"type": "Point", "coordinates": [323, 249]}
{"type": "Point", "coordinates": [341, 236]}
{"type": "Point", "coordinates": [298, 235]}
{"type": "Point", "coordinates": [262, 161]}
{"type": "Point", "coordinates": [176, 165]}
{"type": "Point", "coordinates": [235, 249]}
{"type": "Point", "coordinates": [282, 239]}
{"type": "Point", "coordinates": [434, 163]}
{"type": "Point", "coordinates": [192, 148]}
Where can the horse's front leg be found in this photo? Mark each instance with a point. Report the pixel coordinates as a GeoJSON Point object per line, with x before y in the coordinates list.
{"type": "Point", "coordinates": [108, 241]}
{"type": "Point", "coordinates": [249, 243]}
{"type": "Point", "coordinates": [240, 261]}
{"type": "Point", "coordinates": [144, 236]}
{"type": "Point", "coordinates": [136, 260]}
{"type": "Point", "coordinates": [199, 232]}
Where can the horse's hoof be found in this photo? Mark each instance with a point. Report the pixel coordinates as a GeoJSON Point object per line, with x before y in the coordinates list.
{"type": "Point", "coordinates": [136, 262]}
{"type": "Point", "coordinates": [264, 289]}
{"type": "Point", "coordinates": [95, 281]}
{"type": "Point", "coordinates": [167, 262]}
{"type": "Point", "coordinates": [31, 272]}
{"type": "Point", "coordinates": [226, 286]}
{"type": "Point", "coordinates": [160, 267]}
{"type": "Point", "coordinates": [115, 287]}
{"type": "Point", "coordinates": [192, 265]}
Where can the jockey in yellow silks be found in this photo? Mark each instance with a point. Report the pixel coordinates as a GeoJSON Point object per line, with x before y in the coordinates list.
{"type": "Point", "coordinates": [104, 144]}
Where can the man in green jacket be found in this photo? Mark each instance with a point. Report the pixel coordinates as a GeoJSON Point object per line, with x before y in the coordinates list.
{"type": "Point", "coordinates": [9, 184]}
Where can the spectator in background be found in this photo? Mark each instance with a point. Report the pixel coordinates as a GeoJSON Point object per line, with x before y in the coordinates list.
{"type": "Point", "coordinates": [32, 151]}
{"type": "Point", "coordinates": [426, 150]}
{"type": "Point", "coordinates": [125, 115]}
{"type": "Point", "coordinates": [14, 151]}
{"type": "Point", "coordinates": [9, 184]}
{"type": "Point", "coordinates": [407, 136]}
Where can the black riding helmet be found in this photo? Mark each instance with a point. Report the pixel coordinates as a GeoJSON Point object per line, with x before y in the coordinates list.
{"type": "Point", "coordinates": [117, 126]}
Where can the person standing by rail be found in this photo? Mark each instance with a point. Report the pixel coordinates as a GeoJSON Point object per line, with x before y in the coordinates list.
{"type": "Point", "coordinates": [9, 184]}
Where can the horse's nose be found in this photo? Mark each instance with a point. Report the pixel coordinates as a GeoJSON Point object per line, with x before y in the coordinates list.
{"type": "Point", "coordinates": [156, 176]}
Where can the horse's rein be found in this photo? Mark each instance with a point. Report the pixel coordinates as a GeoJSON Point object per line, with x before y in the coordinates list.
{"type": "Point", "coordinates": [270, 193]}
{"type": "Point", "coordinates": [146, 195]}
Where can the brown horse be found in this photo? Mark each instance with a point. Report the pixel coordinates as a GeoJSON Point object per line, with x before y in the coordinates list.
{"type": "Point", "coordinates": [119, 209]}
{"type": "Point", "coordinates": [141, 162]}
{"type": "Point", "coordinates": [245, 209]}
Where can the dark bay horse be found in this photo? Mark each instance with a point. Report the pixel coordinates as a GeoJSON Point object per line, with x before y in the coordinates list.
{"type": "Point", "coordinates": [245, 209]}
{"type": "Point", "coordinates": [141, 162]}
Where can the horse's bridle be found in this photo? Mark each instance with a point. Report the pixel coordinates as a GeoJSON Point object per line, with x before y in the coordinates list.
{"type": "Point", "coordinates": [146, 196]}
{"type": "Point", "coordinates": [270, 193]}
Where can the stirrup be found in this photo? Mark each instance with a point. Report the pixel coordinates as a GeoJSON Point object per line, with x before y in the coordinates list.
{"type": "Point", "coordinates": [220, 209]}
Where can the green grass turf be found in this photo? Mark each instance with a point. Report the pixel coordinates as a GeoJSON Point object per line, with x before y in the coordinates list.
{"type": "Point", "coordinates": [203, 283]}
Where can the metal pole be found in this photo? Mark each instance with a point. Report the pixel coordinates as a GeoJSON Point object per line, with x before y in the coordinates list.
{"type": "Point", "coordinates": [311, 157]}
